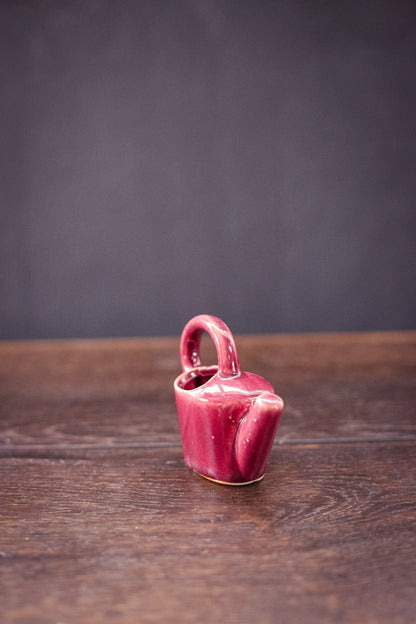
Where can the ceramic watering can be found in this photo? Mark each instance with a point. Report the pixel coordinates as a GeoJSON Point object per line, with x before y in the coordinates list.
{"type": "Point", "coordinates": [227, 418]}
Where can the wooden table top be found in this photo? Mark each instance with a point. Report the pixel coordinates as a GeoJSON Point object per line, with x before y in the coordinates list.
{"type": "Point", "coordinates": [101, 521]}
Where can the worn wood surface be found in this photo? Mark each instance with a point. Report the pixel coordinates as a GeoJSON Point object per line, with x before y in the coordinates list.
{"type": "Point", "coordinates": [100, 521]}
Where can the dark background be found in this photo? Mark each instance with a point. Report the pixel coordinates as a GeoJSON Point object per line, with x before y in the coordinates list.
{"type": "Point", "coordinates": [253, 160]}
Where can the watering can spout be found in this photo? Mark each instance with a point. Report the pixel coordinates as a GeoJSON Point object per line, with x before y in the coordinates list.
{"type": "Point", "coordinates": [256, 434]}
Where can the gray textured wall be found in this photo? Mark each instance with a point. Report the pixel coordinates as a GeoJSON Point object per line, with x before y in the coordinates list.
{"type": "Point", "coordinates": [249, 159]}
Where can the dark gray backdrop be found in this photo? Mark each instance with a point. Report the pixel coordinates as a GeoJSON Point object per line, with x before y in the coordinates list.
{"type": "Point", "coordinates": [250, 159]}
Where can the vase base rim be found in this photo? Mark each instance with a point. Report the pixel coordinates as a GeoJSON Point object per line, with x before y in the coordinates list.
{"type": "Point", "coordinates": [229, 482]}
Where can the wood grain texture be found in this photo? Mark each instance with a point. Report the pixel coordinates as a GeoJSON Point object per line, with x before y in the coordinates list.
{"type": "Point", "coordinates": [132, 535]}
{"type": "Point", "coordinates": [120, 391]}
{"type": "Point", "coordinates": [101, 522]}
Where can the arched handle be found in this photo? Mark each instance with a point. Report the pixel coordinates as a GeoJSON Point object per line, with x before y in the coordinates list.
{"type": "Point", "coordinates": [228, 365]}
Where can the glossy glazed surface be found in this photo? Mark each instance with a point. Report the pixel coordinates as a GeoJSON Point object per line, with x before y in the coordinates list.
{"type": "Point", "coordinates": [228, 418]}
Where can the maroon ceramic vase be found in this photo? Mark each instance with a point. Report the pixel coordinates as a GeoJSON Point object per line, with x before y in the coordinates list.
{"type": "Point", "coordinates": [228, 418]}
